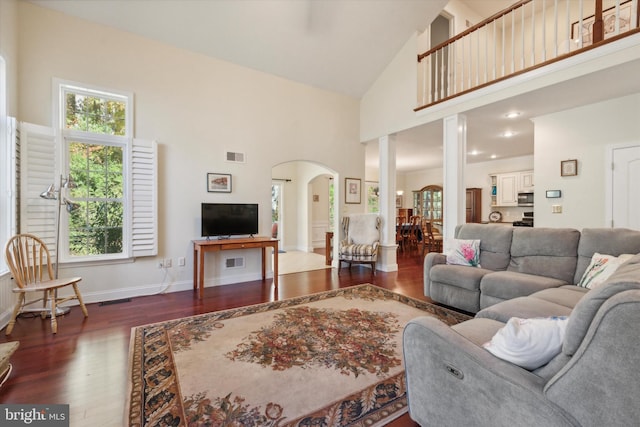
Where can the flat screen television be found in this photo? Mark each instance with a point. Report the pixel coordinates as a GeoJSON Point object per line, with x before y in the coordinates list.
{"type": "Point", "coordinates": [229, 219]}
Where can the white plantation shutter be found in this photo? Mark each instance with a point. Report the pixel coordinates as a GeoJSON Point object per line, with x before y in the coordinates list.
{"type": "Point", "coordinates": [8, 145]}
{"type": "Point", "coordinates": [39, 156]}
{"type": "Point", "coordinates": [143, 198]}
{"type": "Point", "coordinates": [38, 159]}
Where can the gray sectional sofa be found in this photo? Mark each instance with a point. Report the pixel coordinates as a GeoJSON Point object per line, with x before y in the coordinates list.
{"type": "Point", "coordinates": [593, 380]}
{"type": "Point", "coordinates": [518, 261]}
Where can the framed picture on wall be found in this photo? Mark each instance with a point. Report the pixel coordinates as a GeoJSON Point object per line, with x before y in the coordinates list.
{"type": "Point", "coordinates": [568, 168]}
{"type": "Point", "coordinates": [219, 183]}
{"type": "Point", "coordinates": [352, 190]}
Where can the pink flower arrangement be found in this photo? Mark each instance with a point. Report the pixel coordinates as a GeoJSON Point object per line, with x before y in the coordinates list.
{"type": "Point", "coordinates": [469, 253]}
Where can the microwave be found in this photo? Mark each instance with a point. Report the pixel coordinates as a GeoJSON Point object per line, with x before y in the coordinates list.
{"type": "Point", "coordinates": [525, 198]}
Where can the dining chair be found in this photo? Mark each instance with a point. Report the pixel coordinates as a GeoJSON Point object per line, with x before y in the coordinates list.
{"type": "Point", "coordinates": [400, 220]}
{"type": "Point", "coordinates": [29, 260]}
{"type": "Point", "coordinates": [414, 233]}
{"type": "Point", "coordinates": [434, 240]}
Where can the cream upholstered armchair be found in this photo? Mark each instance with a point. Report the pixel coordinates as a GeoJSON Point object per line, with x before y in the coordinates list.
{"type": "Point", "coordinates": [361, 240]}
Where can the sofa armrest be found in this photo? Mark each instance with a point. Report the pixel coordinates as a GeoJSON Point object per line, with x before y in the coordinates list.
{"type": "Point", "coordinates": [431, 259]}
{"type": "Point", "coordinates": [451, 381]}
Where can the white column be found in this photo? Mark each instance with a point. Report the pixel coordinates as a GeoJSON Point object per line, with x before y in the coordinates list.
{"type": "Point", "coordinates": [387, 260]}
{"type": "Point", "coordinates": [455, 159]}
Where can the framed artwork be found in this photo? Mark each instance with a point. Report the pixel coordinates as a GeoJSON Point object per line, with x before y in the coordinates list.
{"type": "Point", "coordinates": [398, 201]}
{"type": "Point", "coordinates": [568, 168]}
{"type": "Point", "coordinates": [219, 183]}
{"type": "Point", "coordinates": [609, 22]}
{"type": "Point", "coordinates": [352, 190]}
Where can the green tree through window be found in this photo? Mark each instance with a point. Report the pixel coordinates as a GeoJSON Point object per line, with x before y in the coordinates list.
{"type": "Point", "coordinates": [97, 226]}
{"type": "Point", "coordinates": [96, 163]}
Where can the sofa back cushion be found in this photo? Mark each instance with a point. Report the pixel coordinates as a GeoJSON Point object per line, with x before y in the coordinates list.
{"type": "Point", "coordinates": [495, 241]}
{"type": "Point", "coordinates": [626, 277]}
{"type": "Point", "coordinates": [609, 241]}
{"type": "Point", "coordinates": [549, 252]}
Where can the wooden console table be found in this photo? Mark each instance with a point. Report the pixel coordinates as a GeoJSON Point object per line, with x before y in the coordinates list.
{"type": "Point", "coordinates": [200, 247]}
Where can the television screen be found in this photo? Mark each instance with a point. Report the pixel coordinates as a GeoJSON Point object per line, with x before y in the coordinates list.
{"type": "Point", "coordinates": [229, 219]}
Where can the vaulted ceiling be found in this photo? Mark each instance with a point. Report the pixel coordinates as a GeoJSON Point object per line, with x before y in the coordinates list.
{"type": "Point", "coordinates": [340, 46]}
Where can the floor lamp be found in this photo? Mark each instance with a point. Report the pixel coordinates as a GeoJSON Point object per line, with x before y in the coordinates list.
{"type": "Point", "coordinates": [56, 194]}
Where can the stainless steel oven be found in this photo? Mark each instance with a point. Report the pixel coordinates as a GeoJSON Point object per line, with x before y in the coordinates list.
{"type": "Point", "coordinates": [525, 199]}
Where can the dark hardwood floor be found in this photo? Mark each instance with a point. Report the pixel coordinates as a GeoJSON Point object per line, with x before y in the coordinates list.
{"type": "Point", "coordinates": [85, 364]}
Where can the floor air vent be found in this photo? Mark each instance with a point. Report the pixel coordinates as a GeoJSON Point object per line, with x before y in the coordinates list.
{"type": "Point", "coordinates": [235, 157]}
{"type": "Point", "coordinates": [115, 301]}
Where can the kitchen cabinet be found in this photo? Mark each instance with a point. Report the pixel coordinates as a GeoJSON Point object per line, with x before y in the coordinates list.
{"type": "Point", "coordinates": [506, 186]}
{"type": "Point", "coordinates": [525, 181]}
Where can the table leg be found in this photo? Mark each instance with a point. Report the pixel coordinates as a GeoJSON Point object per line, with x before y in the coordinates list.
{"type": "Point", "coordinates": [264, 262]}
{"type": "Point", "coordinates": [195, 268]}
{"type": "Point", "coordinates": [275, 265]}
{"type": "Point", "coordinates": [201, 274]}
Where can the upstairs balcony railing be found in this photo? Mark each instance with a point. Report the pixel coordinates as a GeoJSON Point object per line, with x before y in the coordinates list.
{"type": "Point", "coordinates": [525, 36]}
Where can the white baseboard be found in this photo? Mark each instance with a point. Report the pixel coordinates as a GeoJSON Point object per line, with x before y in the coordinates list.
{"type": "Point", "coordinates": [146, 290]}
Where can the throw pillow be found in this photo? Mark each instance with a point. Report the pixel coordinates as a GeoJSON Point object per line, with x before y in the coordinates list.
{"type": "Point", "coordinates": [464, 252]}
{"type": "Point", "coordinates": [529, 343]}
{"type": "Point", "coordinates": [600, 269]}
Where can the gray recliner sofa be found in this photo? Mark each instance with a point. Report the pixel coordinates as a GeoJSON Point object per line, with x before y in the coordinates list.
{"type": "Point", "coordinates": [518, 261]}
{"type": "Point", "coordinates": [594, 381]}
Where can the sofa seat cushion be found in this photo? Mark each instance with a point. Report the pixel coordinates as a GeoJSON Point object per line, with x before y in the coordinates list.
{"type": "Point", "coordinates": [478, 331]}
{"type": "Point", "coordinates": [510, 284]}
{"type": "Point", "coordinates": [567, 296]}
{"type": "Point", "coordinates": [458, 275]}
{"type": "Point", "coordinates": [523, 307]}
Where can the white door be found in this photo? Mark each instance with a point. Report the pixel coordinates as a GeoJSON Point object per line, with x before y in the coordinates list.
{"type": "Point", "coordinates": [625, 187]}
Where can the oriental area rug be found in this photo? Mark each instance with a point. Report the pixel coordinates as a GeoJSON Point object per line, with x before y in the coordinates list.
{"type": "Point", "coordinates": [327, 359]}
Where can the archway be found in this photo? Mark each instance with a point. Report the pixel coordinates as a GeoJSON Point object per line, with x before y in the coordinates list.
{"type": "Point", "coordinates": [303, 205]}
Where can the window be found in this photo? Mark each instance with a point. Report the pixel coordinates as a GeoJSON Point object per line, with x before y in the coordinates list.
{"type": "Point", "coordinates": [110, 211]}
{"type": "Point", "coordinates": [372, 196]}
{"type": "Point", "coordinates": [96, 133]}
{"type": "Point", "coordinates": [97, 222]}
{"type": "Point", "coordinates": [7, 169]}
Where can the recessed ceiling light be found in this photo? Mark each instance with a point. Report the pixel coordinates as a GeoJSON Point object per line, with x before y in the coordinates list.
{"type": "Point", "coordinates": [493, 156]}
{"type": "Point", "coordinates": [473, 152]}
{"type": "Point", "coordinates": [513, 115]}
{"type": "Point", "coordinates": [508, 134]}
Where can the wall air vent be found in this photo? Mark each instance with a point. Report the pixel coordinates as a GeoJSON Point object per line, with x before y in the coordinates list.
{"type": "Point", "coordinates": [234, 262]}
{"type": "Point", "coordinates": [235, 157]}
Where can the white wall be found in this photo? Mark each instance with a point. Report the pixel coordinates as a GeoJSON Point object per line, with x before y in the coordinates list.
{"type": "Point", "coordinates": [476, 175]}
{"type": "Point", "coordinates": [196, 107]}
{"type": "Point", "coordinates": [583, 134]}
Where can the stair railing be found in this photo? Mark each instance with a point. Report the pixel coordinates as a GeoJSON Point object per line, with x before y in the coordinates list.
{"type": "Point", "coordinates": [525, 36]}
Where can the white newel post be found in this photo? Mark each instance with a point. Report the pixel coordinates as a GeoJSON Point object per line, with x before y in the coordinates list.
{"type": "Point", "coordinates": [387, 260]}
{"type": "Point", "coordinates": [455, 159]}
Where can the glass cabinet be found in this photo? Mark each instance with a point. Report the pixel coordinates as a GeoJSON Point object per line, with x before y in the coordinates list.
{"type": "Point", "coordinates": [427, 202]}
